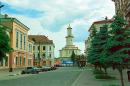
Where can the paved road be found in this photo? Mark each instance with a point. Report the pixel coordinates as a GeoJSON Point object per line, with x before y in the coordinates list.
{"type": "Point", "coordinates": [60, 77]}
{"type": "Point", "coordinates": [66, 76]}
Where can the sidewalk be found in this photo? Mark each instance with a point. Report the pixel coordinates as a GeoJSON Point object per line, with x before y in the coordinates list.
{"type": "Point", "coordinates": [86, 78]}
{"type": "Point", "coordinates": [6, 75]}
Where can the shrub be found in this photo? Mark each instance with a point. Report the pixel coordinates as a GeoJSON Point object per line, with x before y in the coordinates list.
{"type": "Point", "coordinates": [104, 76]}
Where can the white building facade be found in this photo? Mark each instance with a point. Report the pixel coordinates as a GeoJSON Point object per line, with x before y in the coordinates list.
{"type": "Point", "coordinates": [43, 50]}
{"type": "Point", "coordinates": [66, 52]}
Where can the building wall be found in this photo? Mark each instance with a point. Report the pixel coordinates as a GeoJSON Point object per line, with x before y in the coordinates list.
{"type": "Point", "coordinates": [68, 52]}
{"type": "Point", "coordinates": [30, 53]}
{"type": "Point", "coordinates": [122, 8]}
{"type": "Point", "coordinates": [18, 41]}
{"type": "Point", "coordinates": [46, 53]}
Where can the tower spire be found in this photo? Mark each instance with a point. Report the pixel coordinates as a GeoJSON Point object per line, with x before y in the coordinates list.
{"type": "Point", "coordinates": [69, 37]}
{"type": "Point", "coordinates": [69, 25]}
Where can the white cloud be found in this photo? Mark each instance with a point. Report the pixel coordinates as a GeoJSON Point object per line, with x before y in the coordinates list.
{"type": "Point", "coordinates": [59, 13]}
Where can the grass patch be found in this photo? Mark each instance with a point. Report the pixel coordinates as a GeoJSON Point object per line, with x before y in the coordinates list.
{"type": "Point", "coordinates": [104, 76]}
{"type": "Point", "coordinates": [96, 71]}
{"type": "Point", "coordinates": [112, 85]}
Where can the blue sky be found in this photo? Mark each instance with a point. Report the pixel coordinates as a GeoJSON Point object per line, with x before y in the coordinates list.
{"type": "Point", "coordinates": [51, 17]}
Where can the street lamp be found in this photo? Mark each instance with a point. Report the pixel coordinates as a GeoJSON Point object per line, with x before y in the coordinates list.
{"type": "Point", "coordinates": [39, 54]}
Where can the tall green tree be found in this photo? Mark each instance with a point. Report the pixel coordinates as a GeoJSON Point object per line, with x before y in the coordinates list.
{"type": "Point", "coordinates": [94, 49]}
{"type": "Point", "coordinates": [118, 45]}
{"type": "Point", "coordinates": [4, 43]}
{"type": "Point", "coordinates": [73, 57]}
{"type": "Point", "coordinates": [103, 38]}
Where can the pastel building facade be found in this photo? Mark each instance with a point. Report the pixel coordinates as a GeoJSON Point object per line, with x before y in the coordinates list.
{"type": "Point", "coordinates": [43, 50]}
{"type": "Point", "coordinates": [18, 41]}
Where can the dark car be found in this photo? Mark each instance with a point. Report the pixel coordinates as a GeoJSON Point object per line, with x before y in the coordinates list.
{"type": "Point", "coordinates": [53, 68]}
{"type": "Point", "coordinates": [30, 70]}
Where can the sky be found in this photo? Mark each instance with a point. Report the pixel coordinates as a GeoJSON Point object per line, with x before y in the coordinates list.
{"type": "Point", "coordinates": [52, 17]}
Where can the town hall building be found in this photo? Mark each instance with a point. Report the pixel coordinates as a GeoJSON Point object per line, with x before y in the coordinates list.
{"type": "Point", "coordinates": [66, 52]}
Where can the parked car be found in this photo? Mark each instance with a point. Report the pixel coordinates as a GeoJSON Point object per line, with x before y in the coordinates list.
{"type": "Point", "coordinates": [53, 68]}
{"type": "Point", "coordinates": [46, 68]}
{"type": "Point", "coordinates": [38, 69]}
{"type": "Point", "coordinates": [30, 70]}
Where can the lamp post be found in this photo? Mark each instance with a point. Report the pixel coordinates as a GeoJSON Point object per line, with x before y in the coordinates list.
{"type": "Point", "coordinates": [39, 54]}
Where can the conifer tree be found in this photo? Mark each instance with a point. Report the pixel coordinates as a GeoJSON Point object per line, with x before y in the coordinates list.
{"type": "Point", "coordinates": [103, 37]}
{"type": "Point", "coordinates": [73, 57]}
{"type": "Point", "coordinates": [93, 50]}
{"type": "Point", "coordinates": [118, 45]}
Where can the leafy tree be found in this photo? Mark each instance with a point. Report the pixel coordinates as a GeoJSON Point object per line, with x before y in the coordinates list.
{"type": "Point", "coordinates": [4, 43]}
{"type": "Point", "coordinates": [118, 45]}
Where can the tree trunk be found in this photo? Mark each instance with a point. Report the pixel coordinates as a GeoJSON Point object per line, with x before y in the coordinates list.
{"type": "Point", "coordinates": [95, 67]}
{"type": "Point", "coordinates": [100, 68]}
{"type": "Point", "coordinates": [105, 69]}
{"type": "Point", "coordinates": [121, 76]}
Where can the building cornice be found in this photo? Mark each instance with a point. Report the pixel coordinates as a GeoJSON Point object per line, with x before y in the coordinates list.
{"type": "Point", "coordinates": [16, 21]}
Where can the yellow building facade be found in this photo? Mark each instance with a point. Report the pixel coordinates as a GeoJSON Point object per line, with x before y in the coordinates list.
{"type": "Point", "coordinates": [18, 41]}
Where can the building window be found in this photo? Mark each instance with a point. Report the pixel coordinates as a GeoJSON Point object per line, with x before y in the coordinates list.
{"type": "Point", "coordinates": [17, 36]}
{"type": "Point", "coordinates": [33, 48]}
{"type": "Point", "coordinates": [20, 60]}
{"type": "Point", "coordinates": [24, 61]}
{"type": "Point", "coordinates": [38, 55]}
{"type": "Point", "coordinates": [50, 48]}
{"type": "Point", "coordinates": [29, 47]}
{"type": "Point", "coordinates": [16, 60]}
{"type": "Point", "coordinates": [34, 56]}
{"type": "Point", "coordinates": [29, 62]}
{"type": "Point", "coordinates": [38, 47]}
{"type": "Point", "coordinates": [44, 47]}
{"type": "Point", "coordinates": [50, 55]}
{"type": "Point", "coordinates": [44, 55]}
{"type": "Point", "coordinates": [24, 42]}
{"type": "Point", "coordinates": [21, 38]}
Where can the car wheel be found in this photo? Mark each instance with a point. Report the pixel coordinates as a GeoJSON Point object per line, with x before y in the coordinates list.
{"type": "Point", "coordinates": [22, 72]}
{"type": "Point", "coordinates": [37, 72]}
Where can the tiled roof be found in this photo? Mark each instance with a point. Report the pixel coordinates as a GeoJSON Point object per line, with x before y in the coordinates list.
{"type": "Point", "coordinates": [101, 22]}
{"type": "Point", "coordinates": [40, 39]}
